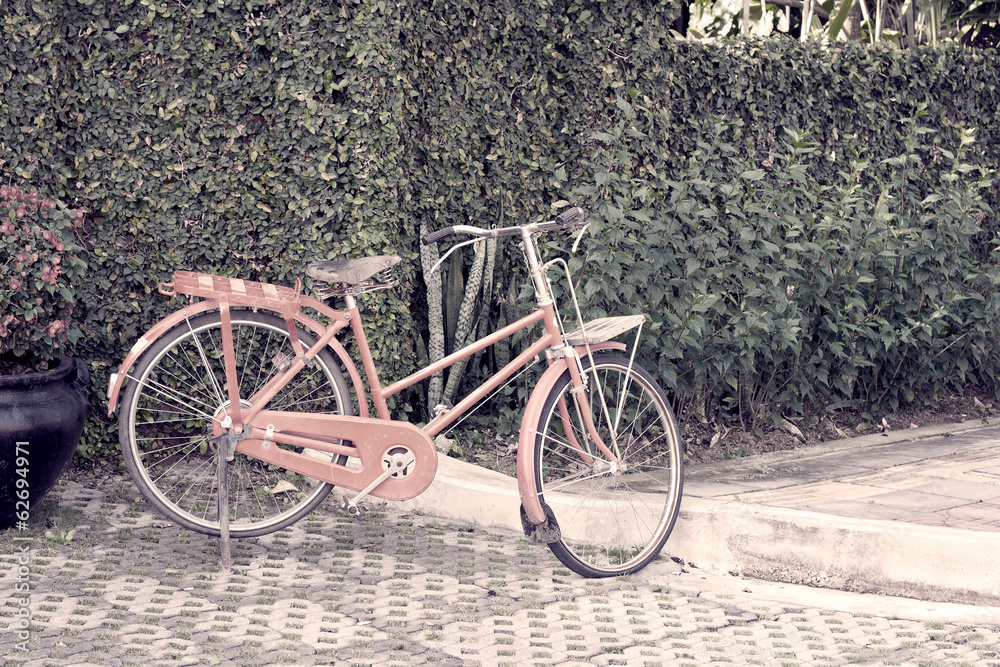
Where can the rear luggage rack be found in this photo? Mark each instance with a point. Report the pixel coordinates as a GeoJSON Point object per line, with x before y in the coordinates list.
{"type": "Point", "coordinates": [243, 292]}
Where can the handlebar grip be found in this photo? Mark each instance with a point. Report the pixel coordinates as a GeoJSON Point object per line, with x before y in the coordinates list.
{"type": "Point", "coordinates": [434, 237]}
{"type": "Point", "coordinates": [570, 217]}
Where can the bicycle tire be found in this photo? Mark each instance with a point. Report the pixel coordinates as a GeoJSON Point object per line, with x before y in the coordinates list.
{"type": "Point", "coordinates": [612, 521]}
{"type": "Point", "coordinates": [165, 425]}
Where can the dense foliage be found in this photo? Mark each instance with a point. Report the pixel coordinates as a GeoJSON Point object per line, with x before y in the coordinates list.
{"type": "Point", "coordinates": [775, 205]}
{"type": "Point", "coordinates": [773, 292]}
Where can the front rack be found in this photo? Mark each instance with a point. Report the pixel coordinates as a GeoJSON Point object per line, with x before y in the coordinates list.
{"type": "Point", "coordinates": [602, 329]}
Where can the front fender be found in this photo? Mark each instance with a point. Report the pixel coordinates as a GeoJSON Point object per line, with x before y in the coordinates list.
{"type": "Point", "coordinates": [526, 486]}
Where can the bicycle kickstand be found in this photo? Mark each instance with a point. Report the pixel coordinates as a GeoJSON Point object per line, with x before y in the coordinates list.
{"type": "Point", "coordinates": [225, 451]}
{"type": "Point", "coordinates": [223, 479]}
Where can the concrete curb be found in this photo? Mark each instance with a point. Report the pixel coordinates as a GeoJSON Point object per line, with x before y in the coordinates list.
{"type": "Point", "coordinates": [857, 555]}
{"type": "Point", "coordinates": [465, 492]}
{"type": "Point", "coordinates": [778, 544]}
{"type": "Point", "coordinates": [821, 449]}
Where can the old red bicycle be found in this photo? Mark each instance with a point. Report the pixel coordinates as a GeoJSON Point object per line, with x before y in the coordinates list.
{"type": "Point", "coordinates": [242, 410]}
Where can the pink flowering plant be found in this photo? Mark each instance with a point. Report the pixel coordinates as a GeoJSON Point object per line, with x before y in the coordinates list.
{"type": "Point", "coordinates": [39, 267]}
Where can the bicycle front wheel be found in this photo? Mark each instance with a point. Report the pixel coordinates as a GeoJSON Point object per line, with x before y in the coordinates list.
{"type": "Point", "coordinates": [174, 392]}
{"type": "Point", "coordinates": [614, 515]}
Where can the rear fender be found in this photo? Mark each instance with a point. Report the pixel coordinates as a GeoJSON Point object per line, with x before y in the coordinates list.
{"type": "Point", "coordinates": [117, 379]}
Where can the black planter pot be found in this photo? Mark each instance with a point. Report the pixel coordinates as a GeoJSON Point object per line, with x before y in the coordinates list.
{"type": "Point", "coordinates": [41, 420]}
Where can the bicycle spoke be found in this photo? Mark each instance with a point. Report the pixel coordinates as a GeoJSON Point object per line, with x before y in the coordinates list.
{"type": "Point", "coordinates": [166, 392]}
{"type": "Point", "coordinates": [204, 360]}
{"type": "Point", "coordinates": [163, 452]}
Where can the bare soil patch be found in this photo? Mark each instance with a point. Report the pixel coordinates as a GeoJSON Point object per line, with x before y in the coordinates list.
{"type": "Point", "coordinates": [735, 442]}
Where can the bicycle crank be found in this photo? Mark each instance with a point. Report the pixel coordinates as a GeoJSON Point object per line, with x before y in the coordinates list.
{"type": "Point", "coordinates": [397, 463]}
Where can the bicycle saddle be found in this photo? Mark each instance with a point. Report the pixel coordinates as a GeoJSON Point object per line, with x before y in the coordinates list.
{"type": "Point", "coordinates": [350, 271]}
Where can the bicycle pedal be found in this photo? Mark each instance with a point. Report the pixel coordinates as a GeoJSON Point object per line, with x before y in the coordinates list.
{"type": "Point", "coordinates": [355, 510]}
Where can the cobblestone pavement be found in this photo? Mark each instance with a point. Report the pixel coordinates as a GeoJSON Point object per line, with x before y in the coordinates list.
{"type": "Point", "coordinates": [130, 588]}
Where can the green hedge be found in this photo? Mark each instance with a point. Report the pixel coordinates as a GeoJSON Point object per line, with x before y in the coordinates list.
{"type": "Point", "coordinates": [772, 292]}
{"type": "Point", "coordinates": [248, 138]}
{"type": "Point", "coordinates": [239, 138]}
{"type": "Point", "coordinates": [812, 227]}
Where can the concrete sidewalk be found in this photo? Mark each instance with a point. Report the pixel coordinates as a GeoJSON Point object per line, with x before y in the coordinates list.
{"type": "Point", "coordinates": [915, 513]}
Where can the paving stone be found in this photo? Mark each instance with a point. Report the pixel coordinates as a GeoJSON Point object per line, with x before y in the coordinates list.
{"type": "Point", "coordinates": [403, 589]}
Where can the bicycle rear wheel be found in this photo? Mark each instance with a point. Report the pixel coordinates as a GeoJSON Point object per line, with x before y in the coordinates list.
{"type": "Point", "coordinates": [165, 426]}
{"type": "Point", "coordinates": [614, 517]}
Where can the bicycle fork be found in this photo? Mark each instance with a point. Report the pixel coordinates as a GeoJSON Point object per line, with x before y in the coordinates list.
{"type": "Point", "coordinates": [537, 519]}
{"type": "Point", "coordinates": [585, 413]}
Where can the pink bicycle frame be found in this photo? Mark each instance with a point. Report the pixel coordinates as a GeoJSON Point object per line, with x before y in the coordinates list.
{"type": "Point", "coordinates": [304, 429]}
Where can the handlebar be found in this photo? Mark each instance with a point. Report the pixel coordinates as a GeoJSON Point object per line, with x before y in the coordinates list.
{"type": "Point", "coordinates": [571, 217]}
